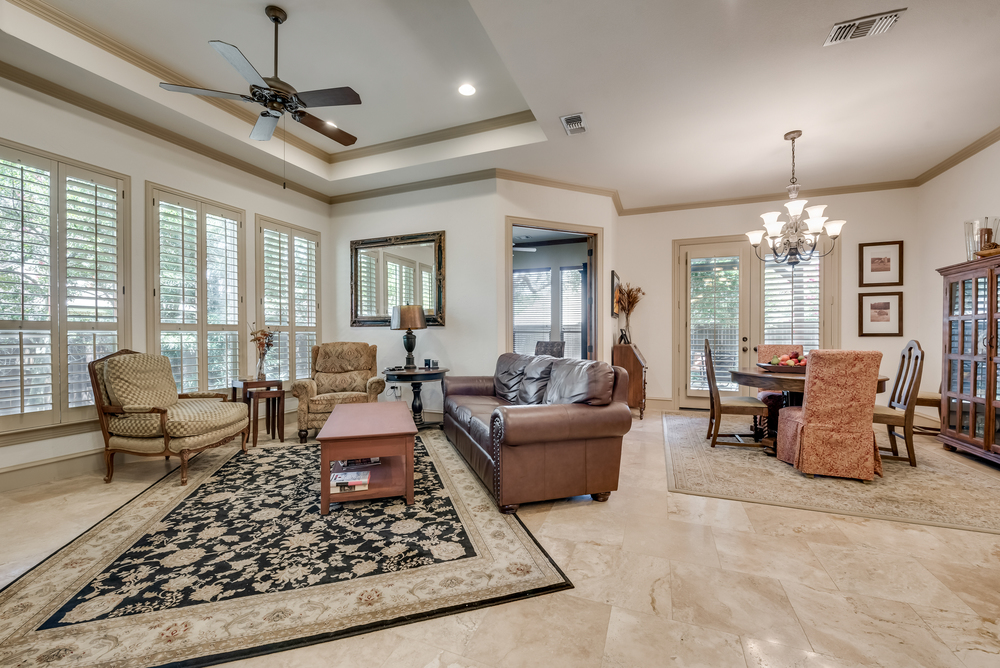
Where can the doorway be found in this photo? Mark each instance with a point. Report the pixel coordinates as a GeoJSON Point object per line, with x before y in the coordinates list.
{"type": "Point", "coordinates": [551, 289]}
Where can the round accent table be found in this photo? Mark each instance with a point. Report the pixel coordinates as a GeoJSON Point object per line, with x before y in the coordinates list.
{"type": "Point", "coordinates": [416, 378]}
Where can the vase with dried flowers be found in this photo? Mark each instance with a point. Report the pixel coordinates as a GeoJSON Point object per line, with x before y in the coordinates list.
{"type": "Point", "coordinates": [264, 340]}
{"type": "Point", "coordinates": [628, 298]}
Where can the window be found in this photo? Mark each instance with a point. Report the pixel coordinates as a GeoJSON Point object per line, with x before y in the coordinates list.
{"type": "Point", "coordinates": [532, 308]}
{"type": "Point", "coordinates": [368, 283]}
{"type": "Point", "coordinates": [288, 285]}
{"type": "Point", "coordinates": [427, 287]}
{"type": "Point", "coordinates": [400, 281]}
{"type": "Point", "coordinates": [61, 278]}
{"type": "Point", "coordinates": [571, 321]}
{"type": "Point", "coordinates": [714, 315]}
{"type": "Point", "coordinates": [197, 271]}
{"type": "Point", "coordinates": [792, 303]}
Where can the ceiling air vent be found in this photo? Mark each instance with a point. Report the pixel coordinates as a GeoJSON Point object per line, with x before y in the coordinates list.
{"type": "Point", "coordinates": [866, 26]}
{"type": "Point", "coordinates": [574, 124]}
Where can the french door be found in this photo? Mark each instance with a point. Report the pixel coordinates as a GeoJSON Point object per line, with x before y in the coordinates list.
{"type": "Point", "coordinates": [717, 304]}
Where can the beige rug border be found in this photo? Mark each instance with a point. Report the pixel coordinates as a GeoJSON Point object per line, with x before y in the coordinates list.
{"type": "Point", "coordinates": [672, 488]}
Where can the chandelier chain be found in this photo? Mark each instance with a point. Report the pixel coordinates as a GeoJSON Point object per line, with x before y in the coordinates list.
{"type": "Point", "coordinates": [793, 180]}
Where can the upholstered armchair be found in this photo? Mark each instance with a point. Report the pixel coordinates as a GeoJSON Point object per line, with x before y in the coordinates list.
{"type": "Point", "coordinates": [141, 413]}
{"type": "Point", "coordinates": [342, 373]}
{"type": "Point", "coordinates": [831, 433]}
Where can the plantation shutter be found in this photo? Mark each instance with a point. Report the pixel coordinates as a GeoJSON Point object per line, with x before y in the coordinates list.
{"type": "Point", "coordinates": [222, 298]}
{"type": "Point", "coordinates": [27, 274]}
{"type": "Point", "coordinates": [427, 288]}
{"type": "Point", "coordinates": [400, 281]}
{"type": "Point", "coordinates": [367, 283]}
{"type": "Point", "coordinates": [532, 308]}
{"type": "Point", "coordinates": [289, 306]}
{"type": "Point", "coordinates": [792, 303]}
{"type": "Point", "coordinates": [571, 315]}
{"type": "Point", "coordinates": [177, 221]}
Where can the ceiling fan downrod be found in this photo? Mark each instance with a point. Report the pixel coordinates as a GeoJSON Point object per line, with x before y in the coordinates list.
{"type": "Point", "coordinates": [277, 16]}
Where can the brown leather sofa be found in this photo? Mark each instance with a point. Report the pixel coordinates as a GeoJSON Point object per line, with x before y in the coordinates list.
{"type": "Point", "coordinates": [541, 428]}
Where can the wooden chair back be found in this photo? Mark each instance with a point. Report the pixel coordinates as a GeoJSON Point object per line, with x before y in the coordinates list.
{"type": "Point", "coordinates": [553, 348]}
{"type": "Point", "coordinates": [907, 385]}
{"type": "Point", "coordinates": [713, 386]}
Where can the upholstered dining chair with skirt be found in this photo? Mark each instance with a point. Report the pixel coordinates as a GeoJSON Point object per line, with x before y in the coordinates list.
{"type": "Point", "coordinates": [831, 433]}
{"type": "Point", "coordinates": [719, 406]}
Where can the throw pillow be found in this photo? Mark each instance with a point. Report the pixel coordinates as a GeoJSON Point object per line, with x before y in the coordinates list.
{"type": "Point", "coordinates": [536, 378]}
{"type": "Point", "coordinates": [140, 380]}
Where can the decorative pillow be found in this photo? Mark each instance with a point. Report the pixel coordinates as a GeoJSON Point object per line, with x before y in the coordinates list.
{"type": "Point", "coordinates": [350, 381]}
{"type": "Point", "coordinates": [574, 381]}
{"type": "Point", "coordinates": [345, 356]}
{"type": "Point", "coordinates": [508, 376]}
{"type": "Point", "coordinates": [536, 377]}
{"type": "Point", "coordinates": [140, 380]}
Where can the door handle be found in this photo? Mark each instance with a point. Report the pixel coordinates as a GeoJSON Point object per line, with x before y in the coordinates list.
{"type": "Point", "coordinates": [755, 348]}
{"type": "Point", "coordinates": [744, 349]}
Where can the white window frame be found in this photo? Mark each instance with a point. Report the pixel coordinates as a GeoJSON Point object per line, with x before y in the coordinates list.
{"type": "Point", "coordinates": [59, 169]}
{"type": "Point", "coordinates": [156, 193]}
{"type": "Point", "coordinates": [387, 259]}
{"type": "Point", "coordinates": [293, 328]}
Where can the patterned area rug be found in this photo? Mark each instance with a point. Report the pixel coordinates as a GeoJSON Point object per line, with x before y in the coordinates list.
{"type": "Point", "coordinates": [944, 489]}
{"type": "Point", "coordinates": [240, 563]}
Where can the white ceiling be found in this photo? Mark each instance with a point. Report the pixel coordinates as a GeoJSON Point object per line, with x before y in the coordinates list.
{"type": "Point", "coordinates": [685, 101]}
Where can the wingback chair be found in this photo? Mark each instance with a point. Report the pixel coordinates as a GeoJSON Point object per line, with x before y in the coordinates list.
{"type": "Point", "coordinates": [342, 373]}
{"type": "Point", "coordinates": [831, 433]}
{"type": "Point", "coordinates": [141, 413]}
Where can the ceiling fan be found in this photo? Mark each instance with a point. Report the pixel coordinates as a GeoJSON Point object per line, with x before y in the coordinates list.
{"type": "Point", "coordinates": [275, 95]}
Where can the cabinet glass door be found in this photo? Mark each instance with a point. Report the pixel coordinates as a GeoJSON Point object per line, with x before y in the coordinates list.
{"type": "Point", "coordinates": [971, 399]}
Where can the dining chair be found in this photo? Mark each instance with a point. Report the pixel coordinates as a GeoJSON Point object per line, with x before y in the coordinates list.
{"type": "Point", "coordinates": [831, 433]}
{"type": "Point", "coordinates": [930, 400]}
{"type": "Point", "coordinates": [720, 406]}
{"type": "Point", "coordinates": [774, 400]}
{"type": "Point", "coordinates": [902, 403]}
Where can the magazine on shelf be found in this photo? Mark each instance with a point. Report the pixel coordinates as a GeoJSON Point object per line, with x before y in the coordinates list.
{"type": "Point", "coordinates": [365, 462]}
{"type": "Point", "coordinates": [350, 478]}
{"type": "Point", "coordinates": [357, 488]}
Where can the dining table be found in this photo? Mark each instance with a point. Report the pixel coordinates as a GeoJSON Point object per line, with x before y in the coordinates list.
{"type": "Point", "coordinates": [792, 385]}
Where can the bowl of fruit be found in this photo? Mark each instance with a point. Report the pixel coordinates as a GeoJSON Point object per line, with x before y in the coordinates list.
{"type": "Point", "coordinates": [793, 362]}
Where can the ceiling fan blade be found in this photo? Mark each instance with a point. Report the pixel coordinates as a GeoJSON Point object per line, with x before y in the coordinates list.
{"type": "Point", "coordinates": [240, 62]}
{"type": "Point", "coordinates": [329, 97]}
{"type": "Point", "coordinates": [264, 127]}
{"type": "Point", "coordinates": [205, 92]}
{"type": "Point", "coordinates": [324, 128]}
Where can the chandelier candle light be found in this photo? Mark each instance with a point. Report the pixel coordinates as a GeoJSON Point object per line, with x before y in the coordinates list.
{"type": "Point", "coordinates": [795, 240]}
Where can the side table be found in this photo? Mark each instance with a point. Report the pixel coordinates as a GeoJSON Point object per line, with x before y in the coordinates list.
{"type": "Point", "coordinates": [416, 378]}
{"type": "Point", "coordinates": [247, 387]}
{"type": "Point", "coordinates": [274, 411]}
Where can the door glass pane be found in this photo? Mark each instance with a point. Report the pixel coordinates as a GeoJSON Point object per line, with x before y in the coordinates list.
{"type": "Point", "coordinates": [967, 295]}
{"type": "Point", "coordinates": [715, 315]}
{"type": "Point", "coordinates": [981, 295]}
{"type": "Point", "coordinates": [956, 304]}
{"type": "Point", "coordinates": [996, 425]}
{"type": "Point", "coordinates": [966, 377]}
{"type": "Point", "coordinates": [953, 414]}
{"type": "Point", "coordinates": [981, 379]}
{"type": "Point", "coordinates": [953, 383]}
{"type": "Point", "coordinates": [953, 347]}
{"type": "Point", "coordinates": [979, 423]}
{"type": "Point", "coordinates": [966, 416]}
{"type": "Point", "coordinates": [966, 337]}
{"type": "Point", "coordinates": [981, 337]}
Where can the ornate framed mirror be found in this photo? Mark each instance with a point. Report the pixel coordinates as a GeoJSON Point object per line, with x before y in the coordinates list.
{"type": "Point", "coordinates": [394, 271]}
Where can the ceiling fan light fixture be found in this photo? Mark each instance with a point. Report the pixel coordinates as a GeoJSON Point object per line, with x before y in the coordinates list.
{"type": "Point", "coordinates": [467, 89]}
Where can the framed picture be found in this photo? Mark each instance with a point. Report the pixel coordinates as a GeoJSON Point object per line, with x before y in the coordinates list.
{"type": "Point", "coordinates": [615, 287]}
{"type": "Point", "coordinates": [880, 314]}
{"type": "Point", "coordinates": [880, 264]}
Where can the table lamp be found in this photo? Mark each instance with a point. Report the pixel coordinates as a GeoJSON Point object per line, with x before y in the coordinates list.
{"type": "Point", "coordinates": [409, 317]}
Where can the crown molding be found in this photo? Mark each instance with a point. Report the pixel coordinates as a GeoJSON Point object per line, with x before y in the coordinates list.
{"type": "Point", "coordinates": [468, 177]}
{"type": "Point", "coordinates": [521, 177]}
{"type": "Point", "coordinates": [46, 87]}
{"type": "Point", "coordinates": [975, 147]}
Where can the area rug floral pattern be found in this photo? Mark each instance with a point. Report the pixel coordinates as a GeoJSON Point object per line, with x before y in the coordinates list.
{"type": "Point", "coordinates": [240, 563]}
{"type": "Point", "coordinates": [944, 489]}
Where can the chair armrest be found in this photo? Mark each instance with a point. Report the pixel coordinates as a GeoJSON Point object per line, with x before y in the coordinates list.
{"type": "Point", "coordinates": [481, 386]}
{"type": "Point", "coordinates": [203, 395]}
{"type": "Point", "coordinates": [375, 386]}
{"type": "Point", "coordinates": [304, 389]}
{"type": "Point", "coordinates": [115, 410]}
{"type": "Point", "coordinates": [520, 425]}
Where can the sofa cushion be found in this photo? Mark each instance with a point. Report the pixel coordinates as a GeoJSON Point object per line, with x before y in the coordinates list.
{"type": "Point", "coordinates": [347, 381]}
{"type": "Point", "coordinates": [187, 417]}
{"type": "Point", "coordinates": [324, 403]}
{"type": "Point", "coordinates": [462, 407]}
{"type": "Point", "coordinates": [140, 380]}
{"type": "Point", "coordinates": [575, 381]}
{"type": "Point", "coordinates": [509, 374]}
{"type": "Point", "coordinates": [344, 356]}
{"type": "Point", "coordinates": [479, 430]}
{"type": "Point", "coordinates": [536, 378]}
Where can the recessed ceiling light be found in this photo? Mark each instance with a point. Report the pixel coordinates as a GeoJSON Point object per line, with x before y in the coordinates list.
{"type": "Point", "coordinates": [331, 123]}
{"type": "Point", "coordinates": [467, 89]}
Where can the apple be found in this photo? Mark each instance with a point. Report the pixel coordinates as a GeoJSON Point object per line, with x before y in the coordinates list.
{"type": "Point", "coordinates": [784, 358]}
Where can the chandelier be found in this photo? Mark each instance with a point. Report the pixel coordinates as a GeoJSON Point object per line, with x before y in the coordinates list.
{"type": "Point", "coordinates": [796, 239]}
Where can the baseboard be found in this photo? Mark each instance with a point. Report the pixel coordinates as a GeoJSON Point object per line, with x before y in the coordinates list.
{"type": "Point", "coordinates": [57, 468]}
{"type": "Point", "coordinates": [659, 404]}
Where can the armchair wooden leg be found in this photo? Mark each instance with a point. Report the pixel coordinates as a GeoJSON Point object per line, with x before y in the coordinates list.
{"type": "Point", "coordinates": [184, 467]}
{"type": "Point", "coordinates": [243, 438]}
{"type": "Point", "coordinates": [303, 435]}
{"type": "Point", "coordinates": [109, 464]}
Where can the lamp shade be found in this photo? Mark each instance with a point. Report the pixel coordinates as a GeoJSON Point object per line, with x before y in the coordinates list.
{"type": "Point", "coordinates": [755, 236]}
{"type": "Point", "coordinates": [795, 206]}
{"type": "Point", "coordinates": [833, 228]}
{"type": "Point", "coordinates": [410, 316]}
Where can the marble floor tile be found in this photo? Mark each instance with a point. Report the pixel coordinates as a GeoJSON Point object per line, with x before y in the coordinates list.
{"type": "Point", "coordinates": [533, 514]}
{"type": "Point", "coordinates": [636, 640]}
{"type": "Point", "coordinates": [781, 558]}
{"type": "Point", "coordinates": [979, 549]}
{"type": "Point", "coordinates": [867, 630]}
{"type": "Point", "coordinates": [735, 603]}
{"type": "Point", "coordinates": [979, 588]}
{"type": "Point", "coordinates": [886, 575]}
{"type": "Point", "coordinates": [370, 649]}
{"type": "Point", "coordinates": [627, 580]}
{"type": "Point", "coordinates": [450, 633]}
{"type": "Point", "coordinates": [554, 631]}
{"type": "Point", "coordinates": [763, 654]}
{"type": "Point", "coordinates": [582, 519]}
{"type": "Point", "coordinates": [415, 654]}
{"type": "Point", "coordinates": [633, 499]}
{"type": "Point", "coordinates": [974, 639]}
{"type": "Point", "coordinates": [676, 541]}
{"type": "Point", "coordinates": [721, 513]}
{"type": "Point", "coordinates": [910, 540]}
{"type": "Point", "coordinates": [811, 526]}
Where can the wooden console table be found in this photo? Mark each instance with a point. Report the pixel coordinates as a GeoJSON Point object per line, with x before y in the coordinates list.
{"type": "Point", "coordinates": [628, 357]}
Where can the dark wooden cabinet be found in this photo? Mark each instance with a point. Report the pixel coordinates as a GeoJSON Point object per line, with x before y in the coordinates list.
{"type": "Point", "coordinates": [628, 357]}
{"type": "Point", "coordinates": [970, 396]}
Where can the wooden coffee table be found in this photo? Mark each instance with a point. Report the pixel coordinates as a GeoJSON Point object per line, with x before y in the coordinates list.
{"type": "Point", "coordinates": [354, 431]}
